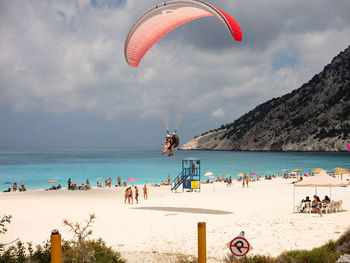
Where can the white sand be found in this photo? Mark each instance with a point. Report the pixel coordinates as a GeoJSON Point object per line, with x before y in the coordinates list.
{"type": "Point", "coordinates": [263, 211]}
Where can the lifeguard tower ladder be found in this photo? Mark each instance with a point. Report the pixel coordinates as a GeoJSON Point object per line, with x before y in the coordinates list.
{"type": "Point", "coordinates": [189, 177]}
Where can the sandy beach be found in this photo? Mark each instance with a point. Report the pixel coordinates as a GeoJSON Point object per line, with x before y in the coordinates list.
{"type": "Point", "coordinates": [167, 222]}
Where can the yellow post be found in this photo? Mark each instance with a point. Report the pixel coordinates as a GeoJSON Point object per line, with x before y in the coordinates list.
{"type": "Point", "coordinates": [202, 243]}
{"type": "Point", "coordinates": [56, 247]}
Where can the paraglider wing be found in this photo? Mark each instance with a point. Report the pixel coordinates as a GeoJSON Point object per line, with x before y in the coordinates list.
{"type": "Point", "coordinates": [160, 20]}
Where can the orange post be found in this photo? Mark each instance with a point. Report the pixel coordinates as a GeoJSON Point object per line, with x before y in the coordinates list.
{"type": "Point", "coordinates": [56, 247]}
{"type": "Point", "coordinates": [202, 243]}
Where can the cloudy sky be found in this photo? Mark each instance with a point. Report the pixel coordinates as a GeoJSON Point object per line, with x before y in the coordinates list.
{"type": "Point", "coordinates": [64, 80]}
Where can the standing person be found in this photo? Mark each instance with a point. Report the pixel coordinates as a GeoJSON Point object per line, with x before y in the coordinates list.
{"type": "Point", "coordinates": [109, 182]}
{"type": "Point", "coordinates": [131, 198]}
{"type": "Point", "coordinates": [126, 195]}
{"type": "Point", "coordinates": [14, 187]}
{"type": "Point", "coordinates": [69, 184]}
{"type": "Point", "coordinates": [243, 182]}
{"type": "Point", "coordinates": [145, 192]}
{"type": "Point", "coordinates": [87, 181]}
{"type": "Point", "coordinates": [136, 194]}
{"type": "Point", "coordinates": [246, 179]}
{"type": "Point", "coordinates": [106, 182]}
{"type": "Point", "coordinates": [316, 205]}
{"type": "Point", "coordinates": [169, 179]}
{"type": "Point", "coordinates": [119, 180]}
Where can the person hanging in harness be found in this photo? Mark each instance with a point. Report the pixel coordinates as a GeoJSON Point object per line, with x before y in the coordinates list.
{"type": "Point", "coordinates": [175, 140]}
{"type": "Point", "coordinates": [171, 143]}
{"type": "Point", "coordinates": [168, 145]}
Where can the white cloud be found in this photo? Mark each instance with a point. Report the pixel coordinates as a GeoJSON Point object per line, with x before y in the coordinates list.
{"type": "Point", "coordinates": [218, 113]}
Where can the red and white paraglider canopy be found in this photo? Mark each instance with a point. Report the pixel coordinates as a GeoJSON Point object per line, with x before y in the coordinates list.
{"type": "Point", "coordinates": [160, 20]}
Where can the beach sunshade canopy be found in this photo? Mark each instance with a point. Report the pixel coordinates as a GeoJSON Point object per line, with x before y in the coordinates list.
{"type": "Point", "coordinates": [53, 181]}
{"type": "Point", "coordinates": [240, 174]}
{"type": "Point", "coordinates": [211, 176]}
{"type": "Point", "coordinates": [298, 170]}
{"type": "Point", "coordinates": [131, 179]}
{"type": "Point", "coordinates": [321, 180]}
{"type": "Point", "coordinates": [57, 178]}
{"type": "Point", "coordinates": [8, 182]}
{"type": "Point", "coordinates": [23, 183]}
{"type": "Point", "coordinates": [208, 174]}
{"type": "Point", "coordinates": [339, 170]}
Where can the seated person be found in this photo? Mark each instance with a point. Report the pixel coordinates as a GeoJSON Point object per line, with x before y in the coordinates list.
{"type": "Point", "coordinates": [7, 191]}
{"type": "Point", "coordinates": [326, 200]}
{"type": "Point", "coordinates": [59, 186]}
{"type": "Point", "coordinates": [307, 200]}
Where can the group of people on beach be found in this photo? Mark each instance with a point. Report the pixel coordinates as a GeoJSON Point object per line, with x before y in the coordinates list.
{"type": "Point", "coordinates": [315, 203]}
{"type": "Point", "coordinates": [74, 186]}
{"type": "Point", "coordinates": [15, 187]}
{"type": "Point", "coordinates": [129, 194]}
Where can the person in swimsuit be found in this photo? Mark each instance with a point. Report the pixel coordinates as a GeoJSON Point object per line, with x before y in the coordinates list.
{"type": "Point", "coordinates": [316, 206]}
{"type": "Point", "coordinates": [136, 194]}
{"type": "Point", "coordinates": [145, 192]}
{"type": "Point", "coordinates": [130, 197]}
{"type": "Point", "coordinates": [126, 195]}
{"type": "Point", "coordinates": [119, 180]}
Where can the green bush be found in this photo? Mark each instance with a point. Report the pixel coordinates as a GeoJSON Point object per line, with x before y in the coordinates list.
{"type": "Point", "coordinates": [98, 253]}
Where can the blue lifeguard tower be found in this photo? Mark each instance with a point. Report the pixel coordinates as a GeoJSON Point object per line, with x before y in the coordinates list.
{"type": "Point", "coordinates": [190, 176]}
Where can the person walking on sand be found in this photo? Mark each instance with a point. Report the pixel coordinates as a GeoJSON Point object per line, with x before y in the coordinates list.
{"type": "Point", "coordinates": [119, 180]}
{"type": "Point", "coordinates": [169, 179]}
{"type": "Point", "coordinates": [243, 182]}
{"type": "Point", "coordinates": [145, 192]}
{"type": "Point", "coordinates": [69, 184]}
{"type": "Point", "coordinates": [246, 179]}
{"type": "Point", "coordinates": [316, 206]}
{"type": "Point", "coordinates": [136, 194]}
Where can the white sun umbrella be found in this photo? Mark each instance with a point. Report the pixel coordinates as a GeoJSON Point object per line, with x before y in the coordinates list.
{"type": "Point", "coordinates": [208, 174]}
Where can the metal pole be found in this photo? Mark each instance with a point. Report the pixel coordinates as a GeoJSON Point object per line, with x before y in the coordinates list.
{"type": "Point", "coordinates": [202, 243]}
{"type": "Point", "coordinates": [56, 247]}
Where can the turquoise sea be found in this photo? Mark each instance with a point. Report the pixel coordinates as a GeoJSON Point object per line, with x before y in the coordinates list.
{"type": "Point", "coordinates": [36, 166]}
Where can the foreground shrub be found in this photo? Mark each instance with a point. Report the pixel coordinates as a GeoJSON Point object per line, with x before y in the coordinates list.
{"type": "Point", "coordinates": [343, 243]}
{"type": "Point", "coordinates": [19, 253]}
{"type": "Point", "coordinates": [98, 253]}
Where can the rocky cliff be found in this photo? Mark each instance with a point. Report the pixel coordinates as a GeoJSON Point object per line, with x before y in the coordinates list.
{"type": "Point", "coordinates": [315, 117]}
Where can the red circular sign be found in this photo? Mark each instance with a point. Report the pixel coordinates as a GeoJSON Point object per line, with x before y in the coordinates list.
{"type": "Point", "coordinates": [239, 246]}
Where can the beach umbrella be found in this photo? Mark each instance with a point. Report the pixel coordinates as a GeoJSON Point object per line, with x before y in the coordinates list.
{"type": "Point", "coordinates": [53, 181]}
{"type": "Point", "coordinates": [253, 174]}
{"type": "Point", "coordinates": [317, 170]}
{"type": "Point", "coordinates": [57, 178]}
{"type": "Point", "coordinates": [23, 183]}
{"type": "Point", "coordinates": [211, 176]}
{"type": "Point", "coordinates": [298, 170]}
{"type": "Point", "coordinates": [131, 179]}
{"type": "Point", "coordinates": [340, 170]}
{"type": "Point", "coordinates": [7, 182]}
{"type": "Point", "coordinates": [208, 174]}
{"type": "Point", "coordinates": [240, 174]}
